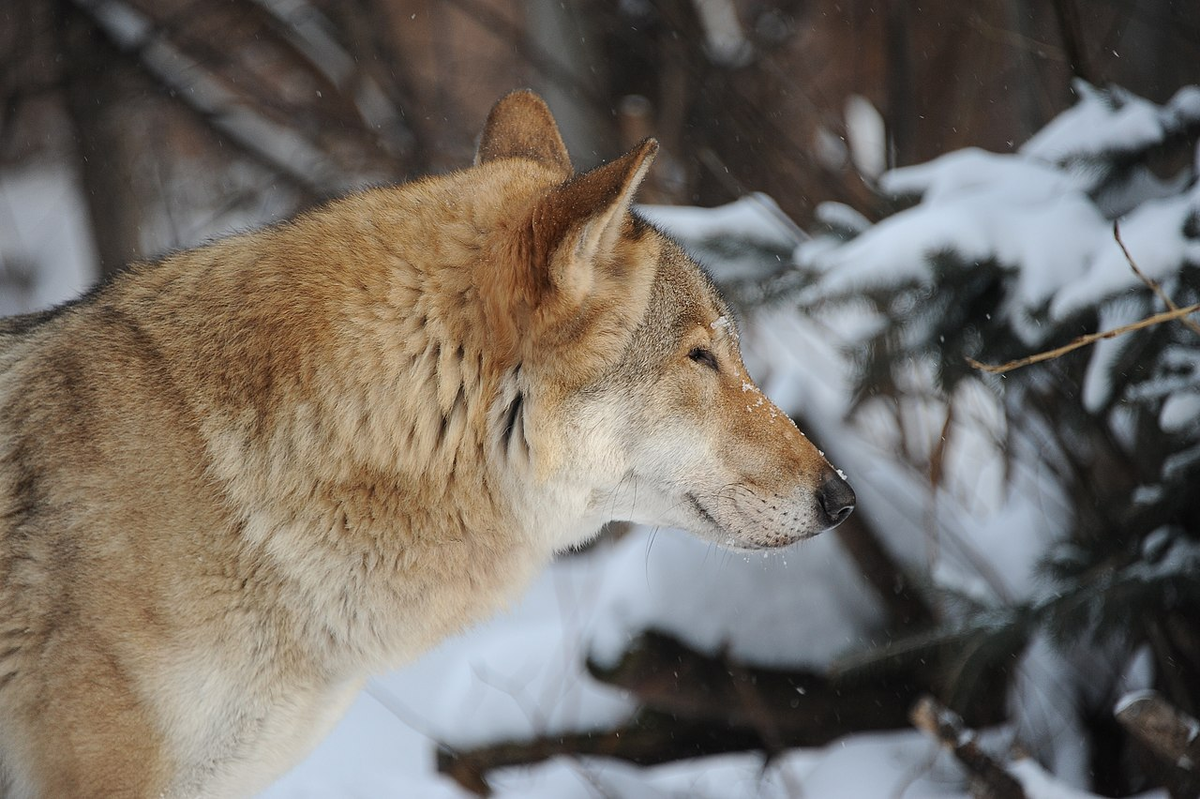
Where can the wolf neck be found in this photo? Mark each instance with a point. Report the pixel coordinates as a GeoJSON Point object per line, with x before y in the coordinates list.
{"type": "Point", "coordinates": [383, 550]}
{"type": "Point", "coordinates": [369, 437]}
{"type": "Point", "coordinates": [401, 480]}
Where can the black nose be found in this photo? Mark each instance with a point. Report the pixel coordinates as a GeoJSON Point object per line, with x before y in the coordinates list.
{"type": "Point", "coordinates": [836, 499]}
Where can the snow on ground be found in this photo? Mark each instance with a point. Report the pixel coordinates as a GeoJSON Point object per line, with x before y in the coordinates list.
{"type": "Point", "coordinates": [800, 607]}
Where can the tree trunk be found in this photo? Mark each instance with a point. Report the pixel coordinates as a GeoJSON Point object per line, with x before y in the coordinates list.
{"type": "Point", "coordinates": [100, 83]}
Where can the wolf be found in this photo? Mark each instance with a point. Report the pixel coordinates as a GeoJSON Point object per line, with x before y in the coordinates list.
{"type": "Point", "coordinates": [237, 482]}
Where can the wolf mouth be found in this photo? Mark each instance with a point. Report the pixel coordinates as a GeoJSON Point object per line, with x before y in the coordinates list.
{"type": "Point", "coordinates": [732, 539]}
{"type": "Point", "coordinates": [701, 511]}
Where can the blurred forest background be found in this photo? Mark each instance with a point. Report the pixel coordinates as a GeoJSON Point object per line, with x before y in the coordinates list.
{"type": "Point", "coordinates": [157, 124]}
{"type": "Point", "coordinates": [180, 118]}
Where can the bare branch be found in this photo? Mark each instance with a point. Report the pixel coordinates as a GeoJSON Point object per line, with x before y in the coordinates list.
{"type": "Point", "coordinates": [1172, 313]}
{"type": "Point", "coordinates": [1157, 289]}
{"type": "Point", "coordinates": [1083, 341]}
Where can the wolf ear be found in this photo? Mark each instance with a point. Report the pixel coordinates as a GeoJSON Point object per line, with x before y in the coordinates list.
{"type": "Point", "coordinates": [576, 226]}
{"type": "Point", "coordinates": [520, 125]}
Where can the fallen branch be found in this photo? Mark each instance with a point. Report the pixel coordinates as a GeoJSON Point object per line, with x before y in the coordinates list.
{"type": "Point", "coordinates": [647, 739]}
{"type": "Point", "coordinates": [694, 704]}
{"type": "Point", "coordinates": [1172, 735]}
{"type": "Point", "coordinates": [784, 708]}
{"type": "Point", "coordinates": [990, 780]}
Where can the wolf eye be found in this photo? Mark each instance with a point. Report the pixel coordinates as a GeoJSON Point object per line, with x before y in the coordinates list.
{"type": "Point", "coordinates": [702, 355]}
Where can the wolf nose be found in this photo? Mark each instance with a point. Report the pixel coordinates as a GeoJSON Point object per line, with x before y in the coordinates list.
{"type": "Point", "coordinates": [836, 499]}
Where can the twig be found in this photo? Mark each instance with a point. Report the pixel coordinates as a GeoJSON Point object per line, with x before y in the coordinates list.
{"type": "Point", "coordinates": [946, 727]}
{"type": "Point", "coordinates": [1173, 312]}
{"type": "Point", "coordinates": [1157, 289]}
{"type": "Point", "coordinates": [1083, 341]}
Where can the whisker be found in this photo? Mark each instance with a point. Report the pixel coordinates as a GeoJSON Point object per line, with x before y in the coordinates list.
{"type": "Point", "coordinates": [646, 561]}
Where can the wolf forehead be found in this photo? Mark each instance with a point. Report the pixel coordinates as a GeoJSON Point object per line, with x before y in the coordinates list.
{"type": "Point", "coordinates": [684, 293]}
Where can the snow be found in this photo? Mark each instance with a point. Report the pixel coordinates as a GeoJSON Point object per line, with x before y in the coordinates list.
{"type": "Point", "coordinates": [725, 40]}
{"type": "Point", "coordinates": [1180, 411]}
{"type": "Point", "coordinates": [883, 764]}
{"type": "Point", "coordinates": [1138, 672]}
{"type": "Point", "coordinates": [1154, 236]}
{"type": "Point", "coordinates": [1096, 125]}
{"type": "Point", "coordinates": [1032, 219]}
{"type": "Point", "coordinates": [44, 224]}
{"type": "Point", "coordinates": [371, 753]}
{"type": "Point", "coordinates": [1039, 784]}
{"type": "Point", "coordinates": [718, 236]}
{"type": "Point", "coordinates": [867, 136]}
{"type": "Point", "coordinates": [829, 149]}
{"type": "Point", "coordinates": [1097, 383]}
{"type": "Point", "coordinates": [1103, 122]}
{"type": "Point", "coordinates": [800, 607]}
{"type": "Point", "coordinates": [755, 217]}
{"type": "Point", "coordinates": [523, 673]}
{"type": "Point", "coordinates": [1132, 698]}
{"type": "Point", "coordinates": [841, 216]}
{"type": "Point", "coordinates": [1044, 705]}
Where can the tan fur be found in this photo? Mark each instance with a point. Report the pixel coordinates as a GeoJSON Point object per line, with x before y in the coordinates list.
{"type": "Point", "coordinates": [237, 482]}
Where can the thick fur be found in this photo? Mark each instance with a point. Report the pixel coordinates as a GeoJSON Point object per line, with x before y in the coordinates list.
{"type": "Point", "coordinates": [237, 482]}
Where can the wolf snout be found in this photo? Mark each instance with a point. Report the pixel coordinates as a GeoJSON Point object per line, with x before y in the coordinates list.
{"type": "Point", "coordinates": [835, 499]}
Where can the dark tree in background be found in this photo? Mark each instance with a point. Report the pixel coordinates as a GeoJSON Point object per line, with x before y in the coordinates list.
{"type": "Point", "coordinates": [183, 118]}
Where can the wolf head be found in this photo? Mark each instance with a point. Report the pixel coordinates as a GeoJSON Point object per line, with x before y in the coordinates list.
{"type": "Point", "coordinates": [630, 385]}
